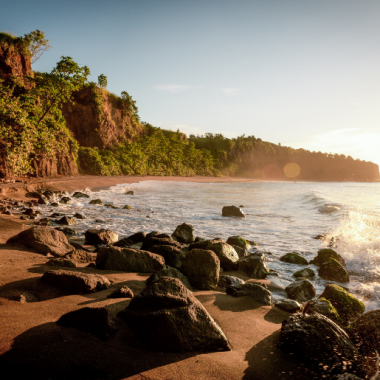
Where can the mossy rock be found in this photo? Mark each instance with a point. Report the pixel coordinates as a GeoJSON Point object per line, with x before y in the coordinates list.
{"type": "Point", "coordinates": [127, 207]}
{"type": "Point", "coordinates": [239, 241]}
{"type": "Point", "coordinates": [307, 272]}
{"type": "Point", "coordinates": [324, 307]}
{"type": "Point", "coordinates": [348, 306]}
{"type": "Point", "coordinates": [294, 258]}
{"type": "Point", "coordinates": [332, 270]}
{"type": "Point", "coordinates": [325, 254]}
{"type": "Point", "coordinates": [96, 202]}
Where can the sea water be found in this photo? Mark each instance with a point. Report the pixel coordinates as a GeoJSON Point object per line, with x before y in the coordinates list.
{"type": "Point", "coordinates": [280, 216]}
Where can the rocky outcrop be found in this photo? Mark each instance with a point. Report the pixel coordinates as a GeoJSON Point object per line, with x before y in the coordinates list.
{"type": "Point", "coordinates": [167, 317]}
{"type": "Point", "coordinates": [233, 211]}
{"type": "Point", "coordinates": [63, 164]}
{"type": "Point", "coordinates": [101, 236]}
{"type": "Point", "coordinates": [184, 233]}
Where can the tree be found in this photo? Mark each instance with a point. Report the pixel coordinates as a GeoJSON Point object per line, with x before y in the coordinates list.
{"type": "Point", "coordinates": [37, 44]}
{"type": "Point", "coordinates": [102, 81]}
{"type": "Point", "coordinates": [129, 106]}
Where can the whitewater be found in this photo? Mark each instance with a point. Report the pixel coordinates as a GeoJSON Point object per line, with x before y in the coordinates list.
{"type": "Point", "coordinates": [281, 217]}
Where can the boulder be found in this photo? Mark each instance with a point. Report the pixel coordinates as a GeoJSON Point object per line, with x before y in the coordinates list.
{"type": "Point", "coordinates": [80, 256]}
{"type": "Point", "coordinates": [61, 262]}
{"type": "Point", "coordinates": [307, 272]}
{"type": "Point", "coordinates": [315, 339]}
{"type": "Point", "coordinates": [44, 240]}
{"type": "Point", "coordinates": [225, 281]}
{"type": "Point", "coordinates": [254, 265]}
{"type": "Point", "coordinates": [65, 200]}
{"type": "Point", "coordinates": [101, 236]}
{"type": "Point", "coordinates": [96, 202]}
{"type": "Point", "coordinates": [324, 254]}
{"type": "Point", "coordinates": [365, 332]}
{"type": "Point", "coordinates": [121, 292]}
{"type": "Point", "coordinates": [79, 216]}
{"type": "Point", "coordinates": [173, 255]}
{"type": "Point", "coordinates": [172, 273]}
{"type": "Point", "coordinates": [167, 317]}
{"type": "Point", "coordinates": [294, 258]}
{"type": "Point", "coordinates": [259, 292]}
{"type": "Point", "coordinates": [332, 270]}
{"type": "Point", "coordinates": [349, 307]}
{"type": "Point", "coordinates": [300, 290]}
{"type": "Point", "coordinates": [202, 268]}
{"type": "Point", "coordinates": [232, 211]}
{"type": "Point", "coordinates": [128, 260]}
{"type": "Point", "coordinates": [239, 241]}
{"type": "Point", "coordinates": [94, 320]}
{"type": "Point", "coordinates": [42, 200]}
{"type": "Point", "coordinates": [76, 282]}
{"type": "Point", "coordinates": [79, 194]}
{"type": "Point", "coordinates": [240, 251]}
{"type": "Point", "coordinates": [290, 306]}
{"type": "Point", "coordinates": [184, 233]}
{"type": "Point", "coordinates": [324, 307]}
{"type": "Point", "coordinates": [138, 237]}
{"type": "Point", "coordinates": [67, 231]}
{"type": "Point", "coordinates": [151, 241]}
{"type": "Point", "coordinates": [130, 192]}
{"type": "Point", "coordinates": [127, 207]}
{"type": "Point", "coordinates": [67, 221]}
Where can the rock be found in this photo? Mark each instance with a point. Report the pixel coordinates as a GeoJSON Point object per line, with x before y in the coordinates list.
{"type": "Point", "coordinates": [317, 340]}
{"type": "Point", "coordinates": [307, 272]}
{"type": "Point", "coordinates": [128, 260]}
{"type": "Point", "coordinates": [324, 254]}
{"type": "Point", "coordinates": [79, 246]}
{"type": "Point", "coordinates": [294, 258]}
{"type": "Point", "coordinates": [65, 200]}
{"type": "Point", "coordinates": [349, 307]}
{"type": "Point", "coordinates": [173, 255]}
{"type": "Point", "coordinates": [167, 317]}
{"type": "Point", "coordinates": [320, 237]}
{"type": "Point", "coordinates": [138, 237]}
{"type": "Point", "coordinates": [184, 233]}
{"type": "Point", "coordinates": [239, 241]}
{"type": "Point", "coordinates": [290, 306]}
{"type": "Point", "coordinates": [324, 307]}
{"type": "Point", "coordinates": [365, 332]}
{"type": "Point", "coordinates": [29, 211]}
{"type": "Point", "coordinates": [240, 251]}
{"type": "Point", "coordinates": [101, 236]}
{"type": "Point", "coordinates": [332, 270]}
{"type": "Point", "coordinates": [150, 242]}
{"type": "Point", "coordinates": [121, 292]}
{"type": "Point", "coordinates": [76, 282]}
{"type": "Point", "coordinates": [79, 194]}
{"type": "Point", "coordinates": [67, 231]}
{"type": "Point", "coordinates": [80, 256]}
{"type": "Point", "coordinates": [232, 211]}
{"type": "Point", "coordinates": [43, 200]}
{"type": "Point", "coordinates": [94, 320]}
{"type": "Point", "coordinates": [226, 280]}
{"type": "Point", "coordinates": [254, 266]}
{"type": "Point", "coordinates": [61, 262]}
{"type": "Point", "coordinates": [99, 221]}
{"type": "Point", "coordinates": [44, 240]}
{"type": "Point", "coordinates": [127, 207]}
{"type": "Point", "coordinates": [79, 216]}
{"type": "Point", "coordinates": [54, 204]}
{"type": "Point", "coordinates": [67, 221]}
{"type": "Point", "coordinates": [202, 268]}
{"type": "Point", "coordinates": [172, 273]}
{"type": "Point", "coordinates": [300, 290]}
{"type": "Point", "coordinates": [259, 292]}
{"type": "Point", "coordinates": [96, 202]}
{"type": "Point", "coordinates": [130, 192]}
{"type": "Point", "coordinates": [33, 194]}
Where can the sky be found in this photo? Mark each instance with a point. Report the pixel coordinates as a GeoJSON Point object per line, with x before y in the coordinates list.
{"type": "Point", "coordinates": [302, 73]}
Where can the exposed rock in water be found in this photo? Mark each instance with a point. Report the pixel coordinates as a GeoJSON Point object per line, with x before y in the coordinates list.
{"type": "Point", "coordinates": [184, 233]}
{"type": "Point", "coordinates": [130, 192]}
{"type": "Point", "coordinates": [202, 268]}
{"type": "Point", "coordinates": [317, 340]}
{"type": "Point", "coordinates": [324, 307]}
{"type": "Point", "coordinates": [101, 236]}
{"type": "Point", "coordinates": [76, 282]}
{"type": "Point", "coordinates": [349, 307]}
{"type": "Point", "coordinates": [300, 290]}
{"type": "Point", "coordinates": [172, 273]}
{"type": "Point", "coordinates": [79, 194]}
{"type": "Point", "coordinates": [225, 281]}
{"type": "Point", "coordinates": [94, 320]}
{"type": "Point", "coordinates": [259, 292]}
{"type": "Point", "coordinates": [332, 270]}
{"type": "Point", "coordinates": [61, 262]}
{"type": "Point", "coordinates": [239, 241]}
{"type": "Point", "coordinates": [65, 200]}
{"type": "Point", "coordinates": [240, 251]}
{"type": "Point", "coordinates": [307, 272]}
{"type": "Point", "coordinates": [67, 231]}
{"type": "Point", "coordinates": [128, 260]}
{"type": "Point", "coordinates": [232, 211]}
{"type": "Point", "coordinates": [122, 292]}
{"type": "Point", "coordinates": [67, 221]}
{"type": "Point", "coordinates": [79, 216]}
{"type": "Point", "coordinates": [96, 202]}
{"type": "Point", "coordinates": [173, 255]}
{"type": "Point", "coordinates": [151, 241]}
{"type": "Point", "coordinates": [254, 265]}
{"type": "Point", "coordinates": [294, 258]}
{"type": "Point", "coordinates": [289, 306]}
{"type": "Point", "coordinates": [167, 317]}
{"type": "Point", "coordinates": [325, 254]}
{"type": "Point", "coordinates": [80, 256]}
{"type": "Point", "coordinates": [44, 240]}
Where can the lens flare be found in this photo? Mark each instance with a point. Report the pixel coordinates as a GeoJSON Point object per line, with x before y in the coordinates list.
{"type": "Point", "coordinates": [272, 172]}
{"type": "Point", "coordinates": [292, 170]}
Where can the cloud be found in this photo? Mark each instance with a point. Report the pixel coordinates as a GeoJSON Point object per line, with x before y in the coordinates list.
{"type": "Point", "coordinates": [175, 87]}
{"type": "Point", "coordinates": [231, 90]}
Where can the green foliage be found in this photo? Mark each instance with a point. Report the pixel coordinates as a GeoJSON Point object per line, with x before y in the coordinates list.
{"type": "Point", "coordinates": [102, 81]}
{"type": "Point", "coordinates": [37, 44]}
{"type": "Point", "coordinates": [129, 107]}
{"type": "Point", "coordinates": [97, 99]}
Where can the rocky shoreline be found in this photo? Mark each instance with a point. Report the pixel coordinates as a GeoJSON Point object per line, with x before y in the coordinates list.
{"type": "Point", "coordinates": [183, 300]}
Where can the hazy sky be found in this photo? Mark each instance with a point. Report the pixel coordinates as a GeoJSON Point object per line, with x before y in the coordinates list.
{"type": "Point", "coordinates": [302, 73]}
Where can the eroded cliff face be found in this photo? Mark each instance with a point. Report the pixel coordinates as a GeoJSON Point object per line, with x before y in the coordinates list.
{"type": "Point", "coordinates": [98, 124]}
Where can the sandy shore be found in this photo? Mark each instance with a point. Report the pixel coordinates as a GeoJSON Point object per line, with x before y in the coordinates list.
{"type": "Point", "coordinates": [33, 346]}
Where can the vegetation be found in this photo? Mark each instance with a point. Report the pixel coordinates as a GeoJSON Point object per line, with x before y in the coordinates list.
{"type": "Point", "coordinates": [102, 81]}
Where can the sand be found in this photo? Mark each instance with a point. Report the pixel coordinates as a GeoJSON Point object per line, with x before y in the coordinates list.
{"type": "Point", "coordinates": [33, 346]}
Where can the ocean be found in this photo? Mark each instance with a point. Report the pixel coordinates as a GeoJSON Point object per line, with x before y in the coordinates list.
{"type": "Point", "coordinates": [280, 216]}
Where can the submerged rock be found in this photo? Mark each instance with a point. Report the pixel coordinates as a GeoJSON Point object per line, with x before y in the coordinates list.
{"type": "Point", "coordinates": [65, 200]}
{"type": "Point", "coordinates": [307, 272]}
{"type": "Point", "coordinates": [79, 194]}
{"type": "Point", "coordinates": [67, 231]}
{"type": "Point", "coordinates": [232, 211]}
{"type": "Point", "coordinates": [254, 265]}
{"type": "Point", "coordinates": [300, 290]}
{"type": "Point", "coordinates": [67, 221]}
{"type": "Point", "coordinates": [122, 292]}
{"type": "Point", "coordinates": [101, 236]}
{"type": "Point", "coordinates": [130, 192]}
{"type": "Point", "coordinates": [332, 270]}
{"type": "Point", "coordinates": [294, 258]}
{"type": "Point", "coordinates": [79, 216]}
{"type": "Point", "coordinates": [325, 254]}
{"type": "Point", "coordinates": [259, 292]}
{"type": "Point", "coordinates": [184, 233]}
{"type": "Point", "coordinates": [167, 317]}
{"type": "Point", "coordinates": [96, 202]}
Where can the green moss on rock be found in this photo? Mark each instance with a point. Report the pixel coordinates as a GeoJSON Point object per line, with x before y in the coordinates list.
{"type": "Point", "coordinates": [239, 241]}
{"type": "Point", "coordinates": [326, 253]}
{"type": "Point", "coordinates": [294, 258]}
{"type": "Point", "coordinates": [332, 270]}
